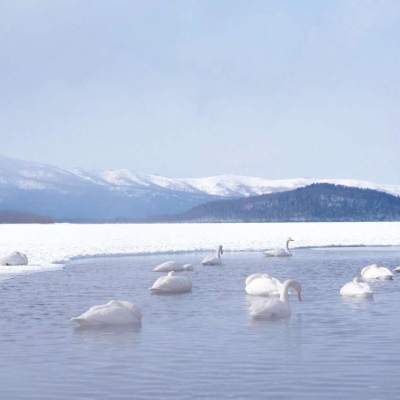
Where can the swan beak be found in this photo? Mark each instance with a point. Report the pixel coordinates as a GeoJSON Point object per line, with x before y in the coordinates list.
{"type": "Point", "coordinates": [299, 295]}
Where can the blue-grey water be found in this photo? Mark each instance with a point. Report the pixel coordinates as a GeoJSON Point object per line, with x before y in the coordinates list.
{"type": "Point", "coordinates": [203, 344]}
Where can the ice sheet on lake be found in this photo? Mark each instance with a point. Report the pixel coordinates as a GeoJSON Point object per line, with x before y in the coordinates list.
{"type": "Point", "coordinates": [50, 246]}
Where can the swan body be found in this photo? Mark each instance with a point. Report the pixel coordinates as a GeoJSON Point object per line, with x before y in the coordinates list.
{"type": "Point", "coordinates": [115, 312]}
{"type": "Point", "coordinates": [280, 252]}
{"type": "Point", "coordinates": [214, 260]}
{"type": "Point", "coordinates": [172, 284]}
{"type": "Point", "coordinates": [274, 308]}
{"type": "Point", "coordinates": [374, 271]}
{"type": "Point", "coordinates": [16, 258]}
{"type": "Point", "coordinates": [356, 289]}
{"type": "Point", "coordinates": [169, 266]}
{"type": "Point", "coordinates": [396, 269]}
{"type": "Point", "coordinates": [263, 285]}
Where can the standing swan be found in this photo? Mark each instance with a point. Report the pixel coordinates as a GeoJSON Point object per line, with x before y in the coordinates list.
{"type": "Point", "coordinates": [280, 252]}
{"type": "Point", "coordinates": [113, 313]}
{"type": "Point", "coordinates": [169, 266]}
{"type": "Point", "coordinates": [374, 271]}
{"type": "Point", "coordinates": [172, 284]}
{"type": "Point", "coordinates": [263, 285]}
{"type": "Point", "coordinates": [214, 260]}
{"type": "Point", "coordinates": [356, 289]}
{"type": "Point", "coordinates": [273, 308]}
{"type": "Point", "coordinates": [16, 258]}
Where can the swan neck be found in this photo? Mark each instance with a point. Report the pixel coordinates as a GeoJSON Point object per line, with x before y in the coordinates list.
{"type": "Point", "coordinates": [287, 245]}
{"type": "Point", "coordinates": [285, 292]}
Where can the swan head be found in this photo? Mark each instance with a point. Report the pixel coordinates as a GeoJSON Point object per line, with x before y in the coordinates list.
{"type": "Point", "coordinates": [296, 287]}
{"type": "Point", "coordinates": [356, 280]}
{"type": "Point", "coordinates": [289, 239]}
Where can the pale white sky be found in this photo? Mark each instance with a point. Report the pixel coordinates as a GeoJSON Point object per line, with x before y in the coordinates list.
{"type": "Point", "coordinates": [276, 89]}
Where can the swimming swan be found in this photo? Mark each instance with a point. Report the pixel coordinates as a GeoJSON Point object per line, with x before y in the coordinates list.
{"type": "Point", "coordinates": [280, 252]}
{"type": "Point", "coordinates": [356, 289]}
{"type": "Point", "coordinates": [115, 312]}
{"type": "Point", "coordinates": [172, 284]}
{"type": "Point", "coordinates": [396, 269]}
{"type": "Point", "coordinates": [173, 266]}
{"type": "Point", "coordinates": [374, 271]}
{"type": "Point", "coordinates": [274, 308]}
{"type": "Point", "coordinates": [16, 258]}
{"type": "Point", "coordinates": [263, 285]}
{"type": "Point", "coordinates": [214, 260]}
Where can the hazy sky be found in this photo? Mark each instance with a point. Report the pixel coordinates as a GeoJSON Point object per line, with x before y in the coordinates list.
{"type": "Point", "coordinates": [277, 89]}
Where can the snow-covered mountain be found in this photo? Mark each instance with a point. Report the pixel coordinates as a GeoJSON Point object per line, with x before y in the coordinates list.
{"type": "Point", "coordinates": [104, 195]}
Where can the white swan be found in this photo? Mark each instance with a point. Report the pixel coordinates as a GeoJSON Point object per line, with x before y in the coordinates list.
{"type": "Point", "coordinates": [263, 285]}
{"type": "Point", "coordinates": [16, 258]}
{"type": "Point", "coordinates": [274, 308]}
{"type": "Point", "coordinates": [396, 269]}
{"type": "Point", "coordinates": [356, 289]}
{"type": "Point", "coordinates": [280, 252]}
{"type": "Point", "coordinates": [115, 312]}
{"type": "Point", "coordinates": [173, 266]}
{"type": "Point", "coordinates": [214, 260]}
{"type": "Point", "coordinates": [172, 284]}
{"type": "Point", "coordinates": [374, 271]}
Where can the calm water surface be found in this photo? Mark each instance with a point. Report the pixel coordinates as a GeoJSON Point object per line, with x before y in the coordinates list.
{"type": "Point", "coordinates": [203, 345]}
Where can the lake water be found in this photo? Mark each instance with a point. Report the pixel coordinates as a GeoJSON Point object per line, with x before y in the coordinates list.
{"type": "Point", "coordinates": [203, 344]}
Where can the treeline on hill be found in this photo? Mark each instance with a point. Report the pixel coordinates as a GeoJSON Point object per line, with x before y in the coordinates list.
{"type": "Point", "coordinates": [315, 203]}
{"type": "Point", "coordinates": [18, 217]}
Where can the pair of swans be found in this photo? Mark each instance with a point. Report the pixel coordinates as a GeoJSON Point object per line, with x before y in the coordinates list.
{"type": "Point", "coordinates": [280, 252]}
{"type": "Point", "coordinates": [356, 288]}
{"type": "Point", "coordinates": [15, 258]}
{"type": "Point", "coordinates": [118, 312]}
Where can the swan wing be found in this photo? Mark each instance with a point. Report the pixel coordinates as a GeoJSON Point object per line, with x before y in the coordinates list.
{"type": "Point", "coordinates": [263, 286]}
{"type": "Point", "coordinates": [112, 313]}
{"type": "Point", "coordinates": [356, 289]}
{"type": "Point", "coordinates": [15, 258]}
{"type": "Point", "coordinates": [269, 309]}
{"type": "Point", "coordinates": [168, 266]}
{"type": "Point", "coordinates": [211, 261]}
{"type": "Point", "coordinates": [277, 253]}
{"type": "Point", "coordinates": [172, 284]}
{"type": "Point", "coordinates": [252, 276]}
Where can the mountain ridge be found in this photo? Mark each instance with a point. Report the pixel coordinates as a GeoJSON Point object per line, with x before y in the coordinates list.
{"type": "Point", "coordinates": [106, 195]}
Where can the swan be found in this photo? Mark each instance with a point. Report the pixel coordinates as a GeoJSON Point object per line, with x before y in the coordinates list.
{"type": "Point", "coordinates": [263, 285]}
{"type": "Point", "coordinates": [115, 312]}
{"type": "Point", "coordinates": [356, 289]}
{"type": "Point", "coordinates": [274, 308]}
{"type": "Point", "coordinates": [172, 284]}
{"type": "Point", "coordinates": [173, 266]}
{"type": "Point", "coordinates": [280, 252]}
{"type": "Point", "coordinates": [396, 269]}
{"type": "Point", "coordinates": [214, 260]}
{"type": "Point", "coordinates": [16, 258]}
{"type": "Point", "coordinates": [374, 271]}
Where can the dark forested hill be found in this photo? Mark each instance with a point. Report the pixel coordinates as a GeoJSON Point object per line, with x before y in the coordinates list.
{"type": "Point", "coordinates": [17, 217]}
{"type": "Point", "coordinates": [317, 202]}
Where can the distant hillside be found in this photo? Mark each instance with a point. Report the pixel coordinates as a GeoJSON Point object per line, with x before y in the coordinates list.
{"type": "Point", "coordinates": [17, 217]}
{"type": "Point", "coordinates": [317, 202]}
{"type": "Point", "coordinates": [117, 195]}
